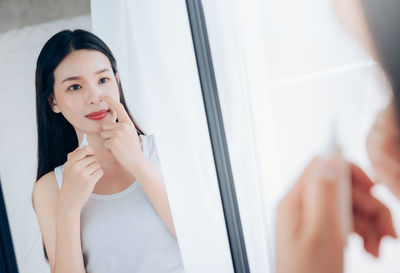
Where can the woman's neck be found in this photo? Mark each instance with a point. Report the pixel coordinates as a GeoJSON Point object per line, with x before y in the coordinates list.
{"type": "Point", "coordinates": [103, 154]}
{"type": "Point", "coordinates": [115, 177]}
{"type": "Point", "coordinates": [97, 143]}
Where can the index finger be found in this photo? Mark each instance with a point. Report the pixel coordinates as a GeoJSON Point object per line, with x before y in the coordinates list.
{"type": "Point", "coordinates": [320, 195]}
{"type": "Point", "coordinates": [359, 177]}
{"type": "Point", "coordinates": [294, 195]}
{"type": "Point", "coordinates": [82, 153]}
{"type": "Point", "coordinates": [118, 108]}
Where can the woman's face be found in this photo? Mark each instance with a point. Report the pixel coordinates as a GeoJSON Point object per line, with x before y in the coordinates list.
{"type": "Point", "coordinates": [351, 14]}
{"type": "Point", "coordinates": [79, 82]}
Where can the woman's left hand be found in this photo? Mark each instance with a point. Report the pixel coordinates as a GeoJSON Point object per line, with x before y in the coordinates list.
{"type": "Point", "coordinates": [384, 150]}
{"type": "Point", "coordinates": [121, 138]}
{"type": "Point", "coordinates": [123, 141]}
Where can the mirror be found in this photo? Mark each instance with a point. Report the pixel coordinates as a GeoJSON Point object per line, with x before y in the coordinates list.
{"type": "Point", "coordinates": [118, 218]}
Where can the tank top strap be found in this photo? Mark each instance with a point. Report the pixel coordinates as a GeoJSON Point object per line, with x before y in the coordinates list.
{"type": "Point", "coordinates": [152, 152]}
{"type": "Point", "coordinates": [58, 172]}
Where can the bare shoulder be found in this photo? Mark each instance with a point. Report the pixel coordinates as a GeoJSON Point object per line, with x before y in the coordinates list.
{"type": "Point", "coordinates": [46, 188]}
{"type": "Point", "coordinates": [44, 196]}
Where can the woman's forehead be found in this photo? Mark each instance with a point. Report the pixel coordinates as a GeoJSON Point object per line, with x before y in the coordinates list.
{"type": "Point", "coordinates": [83, 63]}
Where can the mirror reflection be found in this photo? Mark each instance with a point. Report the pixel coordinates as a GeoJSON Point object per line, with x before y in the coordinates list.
{"type": "Point", "coordinates": [106, 169]}
{"type": "Point", "coordinates": [99, 197]}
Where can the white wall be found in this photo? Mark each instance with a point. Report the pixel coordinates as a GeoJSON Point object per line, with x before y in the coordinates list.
{"type": "Point", "coordinates": [19, 50]}
{"type": "Point", "coordinates": [16, 14]}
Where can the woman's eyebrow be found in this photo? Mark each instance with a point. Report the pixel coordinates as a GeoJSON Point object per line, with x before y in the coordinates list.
{"type": "Point", "coordinates": [101, 71]}
{"type": "Point", "coordinates": [73, 78]}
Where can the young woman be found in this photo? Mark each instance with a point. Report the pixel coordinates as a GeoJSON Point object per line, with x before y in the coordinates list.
{"type": "Point", "coordinates": [102, 207]}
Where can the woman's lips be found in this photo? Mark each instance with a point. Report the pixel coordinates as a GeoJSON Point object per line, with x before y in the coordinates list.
{"type": "Point", "coordinates": [98, 115]}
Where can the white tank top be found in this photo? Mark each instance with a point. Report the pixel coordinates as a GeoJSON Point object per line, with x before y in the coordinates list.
{"type": "Point", "coordinates": [122, 232]}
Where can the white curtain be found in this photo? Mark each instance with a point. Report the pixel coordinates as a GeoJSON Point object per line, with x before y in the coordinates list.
{"type": "Point", "coordinates": [232, 81]}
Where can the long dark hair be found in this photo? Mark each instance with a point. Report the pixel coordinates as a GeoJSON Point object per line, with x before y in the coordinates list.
{"type": "Point", "coordinates": [56, 136]}
{"type": "Point", "coordinates": [383, 21]}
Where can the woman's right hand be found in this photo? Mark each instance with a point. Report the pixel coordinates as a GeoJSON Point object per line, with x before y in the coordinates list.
{"type": "Point", "coordinates": [309, 237]}
{"type": "Point", "coordinates": [81, 173]}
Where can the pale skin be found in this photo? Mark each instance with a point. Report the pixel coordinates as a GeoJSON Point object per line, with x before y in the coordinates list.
{"type": "Point", "coordinates": [83, 83]}
{"type": "Point", "coordinates": [309, 239]}
{"type": "Point", "coordinates": [384, 150]}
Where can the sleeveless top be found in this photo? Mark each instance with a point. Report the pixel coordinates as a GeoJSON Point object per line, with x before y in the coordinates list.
{"type": "Point", "coordinates": [122, 232]}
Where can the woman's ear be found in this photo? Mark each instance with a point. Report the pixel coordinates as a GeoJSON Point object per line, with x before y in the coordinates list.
{"type": "Point", "coordinates": [117, 77]}
{"type": "Point", "coordinates": [53, 104]}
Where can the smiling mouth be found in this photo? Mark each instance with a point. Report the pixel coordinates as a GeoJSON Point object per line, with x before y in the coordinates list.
{"type": "Point", "coordinates": [98, 115]}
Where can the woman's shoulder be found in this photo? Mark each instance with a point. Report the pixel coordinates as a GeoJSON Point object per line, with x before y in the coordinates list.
{"type": "Point", "coordinates": [45, 188]}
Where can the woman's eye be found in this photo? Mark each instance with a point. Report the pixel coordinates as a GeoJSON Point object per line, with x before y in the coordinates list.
{"type": "Point", "coordinates": [103, 80]}
{"type": "Point", "coordinates": [74, 87]}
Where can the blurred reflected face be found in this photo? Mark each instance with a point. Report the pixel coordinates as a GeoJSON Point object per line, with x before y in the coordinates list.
{"type": "Point", "coordinates": [79, 82]}
{"type": "Point", "coordinates": [351, 14]}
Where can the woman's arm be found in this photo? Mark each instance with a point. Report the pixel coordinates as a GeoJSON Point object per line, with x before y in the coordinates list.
{"type": "Point", "coordinates": [69, 257]}
{"type": "Point", "coordinates": [152, 183]}
{"type": "Point", "coordinates": [60, 228]}
{"type": "Point", "coordinates": [123, 141]}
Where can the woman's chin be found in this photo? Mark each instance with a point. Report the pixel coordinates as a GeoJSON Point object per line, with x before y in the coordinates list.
{"type": "Point", "coordinates": [90, 129]}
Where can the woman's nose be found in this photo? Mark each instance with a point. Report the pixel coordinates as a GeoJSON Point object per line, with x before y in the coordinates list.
{"type": "Point", "coordinates": [94, 94]}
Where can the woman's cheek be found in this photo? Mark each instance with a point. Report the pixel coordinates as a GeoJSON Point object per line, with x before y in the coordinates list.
{"type": "Point", "coordinates": [75, 115]}
{"type": "Point", "coordinates": [115, 91]}
{"type": "Point", "coordinates": [75, 119]}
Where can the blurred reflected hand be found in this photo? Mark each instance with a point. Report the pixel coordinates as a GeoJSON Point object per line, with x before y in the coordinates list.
{"type": "Point", "coordinates": [383, 147]}
{"type": "Point", "coordinates": [309, 238]}
{"type": "Point", "coordinates": [371, 219]}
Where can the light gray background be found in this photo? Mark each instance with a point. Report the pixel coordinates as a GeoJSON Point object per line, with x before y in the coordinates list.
{"type": "Point", "coordinates": [19, 13]}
